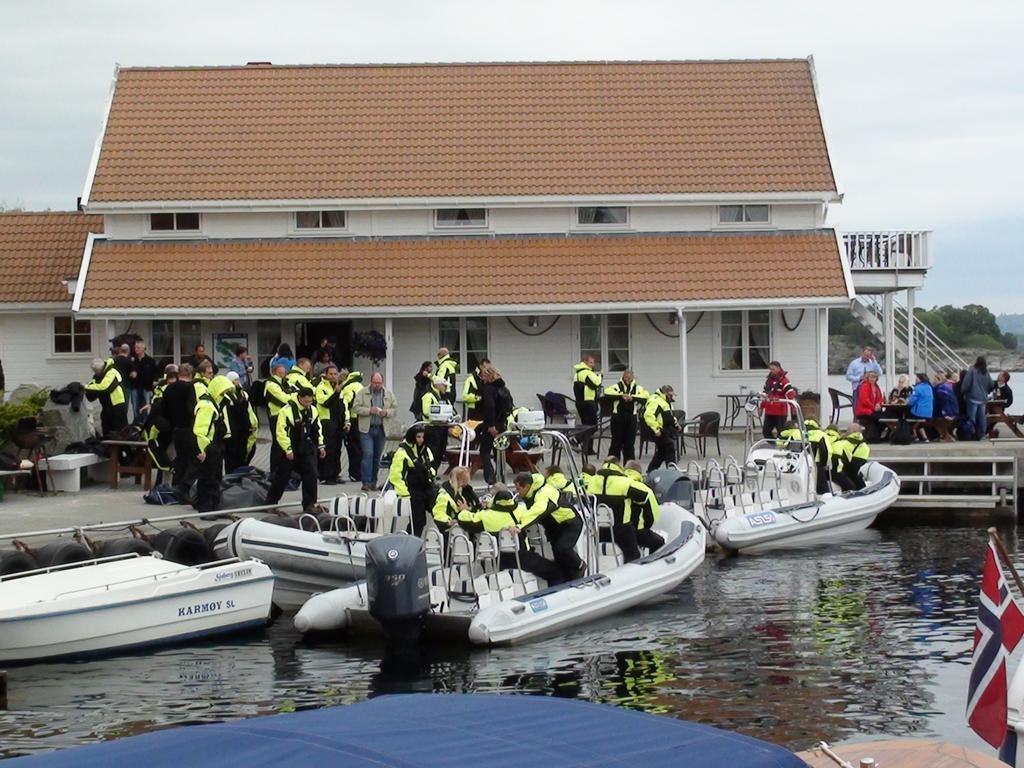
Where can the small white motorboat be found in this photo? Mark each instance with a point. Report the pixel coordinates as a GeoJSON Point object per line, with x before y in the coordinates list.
{"type": "Point", "coordinates": [125, 602]}
{"type": "Point", "coordinates": [307, 562]}
{"type": "Point", "coordinates": [472, 599]}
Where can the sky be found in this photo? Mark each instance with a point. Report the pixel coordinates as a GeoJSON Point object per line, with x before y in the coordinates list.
{"type": "Point", "coordinates": [923, 103]}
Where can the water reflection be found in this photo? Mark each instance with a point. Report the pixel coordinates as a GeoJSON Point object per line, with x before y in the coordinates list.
{"type": "Point", "coordinates": [871, 638]}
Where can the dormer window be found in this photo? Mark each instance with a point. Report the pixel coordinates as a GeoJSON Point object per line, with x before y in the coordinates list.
{"type": "Point", "coordinates": [460, 218]}
{"type": "Point", "coordinates": [174, 222]}
{"type": "Point", "coordinates": [314, 220]}
{"type": "Point", "coordinates": [743, 214]}
{"type": "Point", "coordinates": [602, 216]}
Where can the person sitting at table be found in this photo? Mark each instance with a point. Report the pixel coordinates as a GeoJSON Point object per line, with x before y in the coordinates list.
{"type": "Point", "coordinates": [1003, 391]}
{"type": "Point", "coordinates": [921, 404]}
{"type": "Point", "coordinates": [867, 408]}
{"type": "Point", "coordinates": [902, 390]}
{"type": "Point", "coordinates": [774, 410]}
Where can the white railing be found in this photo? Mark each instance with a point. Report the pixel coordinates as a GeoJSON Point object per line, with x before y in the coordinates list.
{"type": "Point", "coordinates": [937, 355]}
{"type": "Point", "coordinates": [889, 250]}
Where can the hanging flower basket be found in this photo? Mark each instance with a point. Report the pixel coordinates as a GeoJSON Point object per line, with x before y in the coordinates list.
{"type": "Point", "coordinates": [371, 345]}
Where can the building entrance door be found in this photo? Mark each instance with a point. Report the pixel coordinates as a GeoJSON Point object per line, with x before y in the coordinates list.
{"type": "Point", "coordinates": [309, 334]}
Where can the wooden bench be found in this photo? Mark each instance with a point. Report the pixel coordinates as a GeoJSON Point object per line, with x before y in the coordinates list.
{"type": "Point", "coordinates": [143, 472]}
{"type": "Point", "coordinates": [65, 469]}
{"type": "Point", "coordinates": [939, 424]}
{"type": "Point", "coordinates": [452, 454]}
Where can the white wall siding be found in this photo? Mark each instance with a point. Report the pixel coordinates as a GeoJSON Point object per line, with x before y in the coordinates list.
{"type": "Point", "coordinates": [503, 221]}
{"type": "Point", "coordinates": [26, 349]}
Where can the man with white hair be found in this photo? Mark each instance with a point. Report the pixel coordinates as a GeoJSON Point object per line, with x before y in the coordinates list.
{"type": "Point", "coordinates": [376, 408]}
{"type": "Point", "coordinates": [447, 367]}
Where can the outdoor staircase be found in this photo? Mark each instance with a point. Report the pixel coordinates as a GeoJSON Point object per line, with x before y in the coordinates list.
{"type": "Point", "coordinates": [932, 354]}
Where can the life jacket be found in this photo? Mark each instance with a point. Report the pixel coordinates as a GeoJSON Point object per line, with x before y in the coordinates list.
{"type": "Point", "coordinates": [625, 410]}
{"type": "Point", "coordinates": [586, 383]}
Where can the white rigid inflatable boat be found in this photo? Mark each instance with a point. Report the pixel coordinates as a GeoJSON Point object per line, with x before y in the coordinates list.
{"type": "Point", "coordinates": [476, 602]}
{"type": "Point", "coordinates": [306, 562]}
{"type": "Point", "coordinates": [123, 602]}
{"type": "Point", "coordinates": [771, 502]}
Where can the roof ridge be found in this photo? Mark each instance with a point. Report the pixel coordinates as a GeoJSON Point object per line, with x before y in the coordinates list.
{"type": "Point", "coordinates": [45, 213]}
{"type": "Point", "coordinates": [414, 64]}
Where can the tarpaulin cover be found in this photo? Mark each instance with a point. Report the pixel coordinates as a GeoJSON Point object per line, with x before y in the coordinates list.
{"type": "Point", "coordinates": [436, 730]}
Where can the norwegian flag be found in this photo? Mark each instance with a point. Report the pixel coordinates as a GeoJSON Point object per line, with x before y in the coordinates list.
{"type": "Point", "coordinates": [999, 629]}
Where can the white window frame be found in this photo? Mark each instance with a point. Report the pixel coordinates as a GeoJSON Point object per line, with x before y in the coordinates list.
{"type": "Point", "coordinates": [297, 231]}
{"type": "Point", "coordinates": [743, 224]}
{"type": "Point", "coordinates": [450, 226]}
{"type": "Point", "coordinates": [463, 350]}
{"type": "Point", "coordinates": [150, 232]}
{"type": "Point", "coordinates": [745, 370]}
{"type": "Point", "coordinates": [73, 352]}
{"type": "Point", "coordinates": [575, 223]}
{"type": "Point", "coordinates": [604, 339]}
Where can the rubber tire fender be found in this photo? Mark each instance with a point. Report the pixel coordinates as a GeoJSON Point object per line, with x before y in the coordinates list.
{"type": "Point", "coordinates": [63, 553]}
{"type": "Point", "coordinates": [125, 546]}
{"type": "Point", "coordinates": [187, 546]}
{"type": "Point", "coordinates": [16, 561]}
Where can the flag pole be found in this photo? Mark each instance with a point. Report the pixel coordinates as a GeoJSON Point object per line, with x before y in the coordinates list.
{"type": "Point", "coordinates": [1005, 557]}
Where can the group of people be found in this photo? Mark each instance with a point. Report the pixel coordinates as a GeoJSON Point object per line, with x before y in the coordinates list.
{"type": "Point", "coordinates": [961, 400]}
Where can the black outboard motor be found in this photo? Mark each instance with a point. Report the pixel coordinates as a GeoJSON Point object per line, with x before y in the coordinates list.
{"type": "Point", "coordinates": [672, 485]}
{"type": "Point", "coordinates": [397, 587]}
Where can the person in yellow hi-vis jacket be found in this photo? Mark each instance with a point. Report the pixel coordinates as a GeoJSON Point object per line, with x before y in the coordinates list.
{"type": "Point", "coordinates": [209, 430]}
{"type": "Point", "coordinates": [300, 443]}
{"type": "Point", "coordinates": [106, 387]}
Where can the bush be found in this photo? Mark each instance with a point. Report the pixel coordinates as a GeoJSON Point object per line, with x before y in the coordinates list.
{"type": "Point", "coordinates": [982, 341]}
{"type": "Point", "coordinates": [12, 413]}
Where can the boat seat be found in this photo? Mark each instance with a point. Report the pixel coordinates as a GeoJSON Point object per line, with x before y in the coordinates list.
{"type": "Point", "coordinates": [605, 517]}
{"type": "Point", "coordinates": [529, 583]}
{"type": "Point", "coordinates": [539, 542]}
{"type": "Point", "coordinates": [609, 556]}
{"type": "Point", "coordinates": [460, 548]}
{"type": "Point", "coordinates": [338, 506]}
{"type": "Point", "coordinates": [501, 584]}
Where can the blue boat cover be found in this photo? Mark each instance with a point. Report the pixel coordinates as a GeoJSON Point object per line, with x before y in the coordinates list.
{"type": "Point", "coordinates": [436, 730]}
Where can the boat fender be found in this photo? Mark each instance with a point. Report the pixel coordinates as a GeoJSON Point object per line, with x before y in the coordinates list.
{"type": "Point", "coordinates": [283, 520]}
{"type": "Point", "coordinates": [186, 546]}
{"type": "Point", "coordinates": [124, 546]}
{"type": "Point", "coordinates": [210, 534]}
{"type": "Point", "coordinates": [16, 562]}
{"type": "Point", "coordinates": [62, 553]}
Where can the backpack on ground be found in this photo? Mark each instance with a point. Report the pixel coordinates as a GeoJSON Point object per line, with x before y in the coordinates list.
{"type": "Point", "coordinates": [902, 434]}
{"type": "Point", "coordinates": [161, 494]}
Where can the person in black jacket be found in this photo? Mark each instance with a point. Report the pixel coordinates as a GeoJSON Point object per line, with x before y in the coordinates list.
{"type": "Point", "coordinates": [421, 382]}
{"type": "Point", "coordinates": [123, 363]}
{"type": "Point", "coordinates": [495, 406]}
{"type": "Point", "coordinates": [142, 377]}
{"type": "Point", "coordinates": [179, 405]}
{"type": "Point", "coordinates": [199, 356]}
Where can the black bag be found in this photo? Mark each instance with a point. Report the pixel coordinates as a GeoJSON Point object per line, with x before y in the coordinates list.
{"type": "Point", "coordinates": [162, 494]}
{"type": "Point", "coordinates": [902, 434]}
{"type": "Point", "coordinates": [9, 462]}
{"type": "Point", "coordinates": [257, 394]}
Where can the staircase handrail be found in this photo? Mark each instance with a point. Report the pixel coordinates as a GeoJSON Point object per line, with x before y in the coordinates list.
{"type": "Point", "coordinates": [937, 347]}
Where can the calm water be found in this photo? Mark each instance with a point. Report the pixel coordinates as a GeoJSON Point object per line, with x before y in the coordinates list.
{"type": "Point", "coordinates": [871, 638]}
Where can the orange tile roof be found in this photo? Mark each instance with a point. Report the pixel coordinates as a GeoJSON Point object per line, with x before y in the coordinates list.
{"type": "Point", "coordinates": [462, 130]}
{"type": "Point", "coordinates": [38, 250]}
{"type": "Point", "coordinates": [346, 276]}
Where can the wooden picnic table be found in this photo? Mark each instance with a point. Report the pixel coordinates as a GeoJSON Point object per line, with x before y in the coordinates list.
{"type": "Point", "coordinates": [143, 472]}
{"type": "Point", "coordinates": [893, 413]}
{"type": "Point", "coordinates": [996, 410]}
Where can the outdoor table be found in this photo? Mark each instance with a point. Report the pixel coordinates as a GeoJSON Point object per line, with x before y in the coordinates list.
{"type": "Point", "coordinates": [996, 410]}
{"type": "Point", "coordinates": [143, 472]}
{"type": "Point", "coordinates": [733, 405]}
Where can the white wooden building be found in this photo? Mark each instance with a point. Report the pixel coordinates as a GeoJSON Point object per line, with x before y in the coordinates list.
{"type": "Point", "coordinates": [531, 213]}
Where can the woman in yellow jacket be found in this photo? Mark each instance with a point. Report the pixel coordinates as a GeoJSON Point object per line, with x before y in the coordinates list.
{"type": "Point", "coordinates": [412, 475]}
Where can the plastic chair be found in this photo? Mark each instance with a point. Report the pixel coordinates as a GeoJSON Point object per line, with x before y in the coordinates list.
{"type": "Point", "coordinates": [705, 426]}
{"type": "Point", "coordinates": [838, 405]}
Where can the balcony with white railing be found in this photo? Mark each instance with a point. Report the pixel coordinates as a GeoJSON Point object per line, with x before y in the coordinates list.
{"type": "Point", "coordinates": [888, 260]}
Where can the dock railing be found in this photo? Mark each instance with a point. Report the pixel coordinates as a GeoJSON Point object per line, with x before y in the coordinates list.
{"type": "Point", "coordinates": [963, 482]}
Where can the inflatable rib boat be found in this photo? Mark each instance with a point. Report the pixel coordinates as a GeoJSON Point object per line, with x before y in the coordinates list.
{"type": "Point", "coordinates": [770, 501]}
{"type": "Point", "coordinates": [470, 599]}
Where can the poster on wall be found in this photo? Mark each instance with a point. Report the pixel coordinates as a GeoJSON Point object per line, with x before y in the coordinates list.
{"type": "Point", "coordinates": [224, 346]}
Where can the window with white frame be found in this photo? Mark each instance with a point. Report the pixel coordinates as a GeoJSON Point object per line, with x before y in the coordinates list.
{"type": "Point", "coordinates": [606, 337]}
{"type": "Point", "coordinates": [602, 216]}
{"type": "Point", "coordinates": [317, 220]}
{"type": "Point", "coordinates": [174, 222]}
{"type": "Point", "coordinates": [743, 214]}
{"type": "Point", "coordinates": [466, 339]}
{"type": "Point", "coordinates": [746, 340]}
{"type": "Point", "coordinates": [71, 336]}
{"type": "Point", "coordinates": [161, 342]}
{"type": "Point", "coordinates": [460, 218]}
